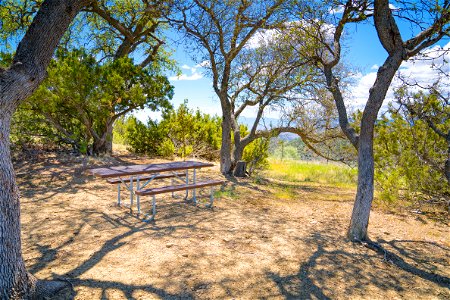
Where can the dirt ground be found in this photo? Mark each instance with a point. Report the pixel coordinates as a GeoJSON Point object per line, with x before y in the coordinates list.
{"type": "Point", "coordinates": [254, 244]}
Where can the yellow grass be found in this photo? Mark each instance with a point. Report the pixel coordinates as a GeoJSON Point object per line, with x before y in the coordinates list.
{"type": "Point", "coordinates": [319, 172]}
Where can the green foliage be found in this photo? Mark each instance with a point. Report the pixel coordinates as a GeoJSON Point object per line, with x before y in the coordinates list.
{"type": "Point", "coordinates": [181, 132]}
{"type": "Point", "coordinates": [82, 98]}
{"type": "Point", "coordinates": [255, 153]}
{"type": "Point", "coordinates": [166, 149]}
{"type": "Point", "coordinates": [180, 125]}
{"type": "Point", "coordinates": [143, 139]}
{"type": "Point", "coordinates": [192, 133]}
{"type": "Point", "coordinates": [120, 131]}
{"type": "Point", "coordinates": [15, 17]}
{"type": "Point", "coordinates": [409, 158]}
{"type": "Point", "coordinates": [284, 152]}
{"type": "Point", "coordinates": [29, 129]}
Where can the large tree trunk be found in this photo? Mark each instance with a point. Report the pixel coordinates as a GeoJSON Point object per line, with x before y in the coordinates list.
{"type": "Point", "coordinates": [103, 145]}
{"type": "Point", "coordinates": [225, 150]}
{"type": "Point", "coordinates": [364, 195]}
{"type": "Point", "coordinates": [16, 84]}
{"type": "Point", "coordinates": [14, 280]}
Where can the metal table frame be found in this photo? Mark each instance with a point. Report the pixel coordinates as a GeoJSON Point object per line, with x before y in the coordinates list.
{"type": "Point", "coordinates": [127, 178]}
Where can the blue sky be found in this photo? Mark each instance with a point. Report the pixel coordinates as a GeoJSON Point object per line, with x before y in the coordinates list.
{"type": "Point", "coordinates": [363, 50]}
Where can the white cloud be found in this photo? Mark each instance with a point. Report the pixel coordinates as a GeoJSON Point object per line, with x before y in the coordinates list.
{"type": "Point", "coordinates": [338, 10]}
{"type": "Point", "coordinates": [421, 71]}
{"type": "Point", "coordinates": [194, 73]}
{"type": "Point", "coordinates": [392, 6]}
{"type": "Point", "coordinates": [260, 38]}
{"type": "Point", "coordinates": [204, 64]}
{"type": "Point", "coordinates": [266, 36]}
{"type": "Point", "coordinates": [194, 76]}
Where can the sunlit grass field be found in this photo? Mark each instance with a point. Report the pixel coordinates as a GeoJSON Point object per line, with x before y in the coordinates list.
{"type": "Point", "coordinates": [307, 171]}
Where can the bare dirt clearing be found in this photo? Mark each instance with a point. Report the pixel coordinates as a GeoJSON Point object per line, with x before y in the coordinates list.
{"type": "Point", "coordinates": [255, 243]}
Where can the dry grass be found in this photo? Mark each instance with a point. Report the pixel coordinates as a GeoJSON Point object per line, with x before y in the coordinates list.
{"type": "Point", "coordinates": [274, 239]}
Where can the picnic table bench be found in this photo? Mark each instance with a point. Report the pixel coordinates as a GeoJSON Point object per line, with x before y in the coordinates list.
{"type": "Point", "coordinates": [143, 175]}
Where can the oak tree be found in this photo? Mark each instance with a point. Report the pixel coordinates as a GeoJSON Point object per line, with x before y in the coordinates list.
{"type": "Point", "coordinates": [250, 66]}
{"type": "Point", "coordinates": [18, 82]}
{"type": "Point", "coordinates": [430, 21]}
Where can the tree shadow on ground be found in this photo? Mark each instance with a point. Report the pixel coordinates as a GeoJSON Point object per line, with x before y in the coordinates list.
{"type": "Point", "coordinates": [61, 174]}
{"type": "Point", "coordinates": [259, 182]}
{"type": "Point", "coordinates": [326, 260]}
{"type": "Point", "coordinates": [357, 269]}
{"type": "Point", "coordinates": [416, 258]}
{"type": "Point", "coordinates": [133, 225]}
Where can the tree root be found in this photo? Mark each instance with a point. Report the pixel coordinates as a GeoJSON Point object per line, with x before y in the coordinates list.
{"type": "Point", "coordinates": [53, 289]}
{"type": "Point", "coordinates": [375, 247]}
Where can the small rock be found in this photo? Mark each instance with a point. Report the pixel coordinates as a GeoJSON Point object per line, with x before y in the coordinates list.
{"type": "Point", "coordinates": [185, 255]}
{"type": "Point", "coordinates": [169, 245]}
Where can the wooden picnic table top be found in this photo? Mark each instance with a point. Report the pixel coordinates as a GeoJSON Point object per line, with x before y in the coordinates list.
{"type": "Point", "coordinates": [118, 171]}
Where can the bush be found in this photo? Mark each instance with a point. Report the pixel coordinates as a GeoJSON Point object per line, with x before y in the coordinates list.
{"type": "Point", "coordinates": [409, 159]}
{"type": "Point", "coordinates": [181, 132]}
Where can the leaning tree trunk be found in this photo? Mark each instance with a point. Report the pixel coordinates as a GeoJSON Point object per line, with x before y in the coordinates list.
{"type": "Point", "coordinates": [18, 82]}
{"type": "Point", "coordinates": [364, 195]}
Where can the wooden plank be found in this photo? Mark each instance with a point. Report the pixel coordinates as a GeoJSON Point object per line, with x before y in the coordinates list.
{"type": "Point", "coordinates": [123, 171]}
{"type": "Point", "coordinates": [180, 187]}
{"type": "Point", "coordinates": [146, 177]}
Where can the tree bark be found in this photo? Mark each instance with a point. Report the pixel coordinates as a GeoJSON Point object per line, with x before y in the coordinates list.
{"type": "Point", "coordinates": [14, 280]}
{"type": "Point", "coordinates": [238, 152]}
{"type": "Point", "coordinates": [18, 82]}
{"type": "Point", "coordinates": [103, 145]}
{"type": "Point", "coordinates": [364, 195]}
{"type": "Point", "coordinates": [225, 149]}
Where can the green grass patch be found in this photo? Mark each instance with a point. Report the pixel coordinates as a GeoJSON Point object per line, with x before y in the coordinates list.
{"type": "Point", "coordinates": [318, 172]}
{"type": "Point", "coordinates": [285, 193]}
{"type": "Point", "coordinates": [229, 192]}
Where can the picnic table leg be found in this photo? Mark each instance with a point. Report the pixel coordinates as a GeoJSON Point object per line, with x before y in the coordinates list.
{"type": "Point", "coordinates": [137, 196]}
{"type": "Point", "coordinates": [131, 193]}
{"type": "Point", "coordinates": [118, 194]}
{"type": "Point", "coordinates": [173, 195]}
{"type": "Point", "coordinates": [187, 182]}
{"type": "Point", "coordinates": [154, 207]}
{"type": "Point", "coordinates": [194, 198]}
{"type": "Point", "coordinates": [211, 197]}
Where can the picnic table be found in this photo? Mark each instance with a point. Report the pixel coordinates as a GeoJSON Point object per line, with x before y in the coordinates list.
{"type": "Point", "coordinates": [144, 175]}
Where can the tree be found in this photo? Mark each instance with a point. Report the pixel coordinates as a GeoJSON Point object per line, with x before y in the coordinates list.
{"type": "Point", "coordinates": [247, 68]}
{"type": "Point", "coordinates": [18, 82]}
{"type": "Point", "coordinates": [190, 133]}
{"type": "Point", "coordinates": [82, 98]}
{"type": "Point", "coordinates": [410, 157]}
{"type": "Point", "coordinates": [114, 33]}
{"type": "Point", "coordinates": [433, 109]}
{"type": "Point", "coordinates": [430, 30]}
